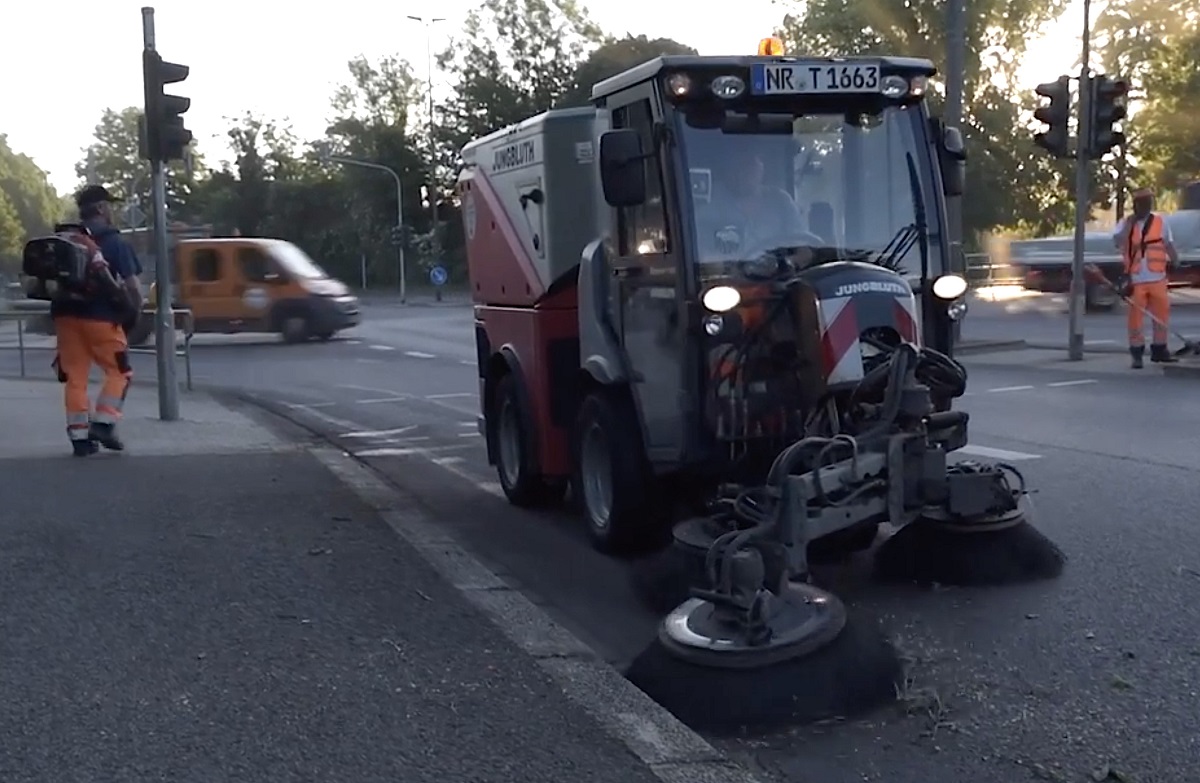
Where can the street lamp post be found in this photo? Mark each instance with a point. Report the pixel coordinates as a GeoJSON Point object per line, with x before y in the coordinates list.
{"type": "Point", "coordinates": [399, 211]}
{"type": "Point", "coordinates": [435, 242]}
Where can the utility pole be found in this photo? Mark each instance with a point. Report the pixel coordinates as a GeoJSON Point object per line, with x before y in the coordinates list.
{"type": "Point", "coordinates": [164, 138]}
{"type": "Point", "coordinates": [435, 239]}
{"type": "Point", "coordinates": [956, 51]}
{"type": "Point", "coordinates": [398, 229]}
{"type": "Point", "coordinates": [1082, 142]}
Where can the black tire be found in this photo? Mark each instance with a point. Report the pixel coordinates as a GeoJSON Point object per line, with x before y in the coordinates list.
{"type": "Point", "coordinates": [511, 435]}
{"type": "Point", "coordinates": [325, 336]}
{"type": "Point", "coordinates": [607, 446]}
{"type": "Point", "coordinates": [294, 327]}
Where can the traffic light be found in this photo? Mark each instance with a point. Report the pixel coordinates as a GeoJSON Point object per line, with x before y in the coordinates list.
{"type": "Point", "coordinates": [1108, 107]}
{"type": "Point", "coordinates": [166, 137]}
{"type": "Point", "coordinates": [399, 235]}
{"type": "Point", "coordinates": [1055, 139]}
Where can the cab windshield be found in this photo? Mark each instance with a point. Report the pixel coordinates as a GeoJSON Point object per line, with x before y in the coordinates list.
{"type": "Point", "coordinates": [296, 262]}
{"type": "Point", "coordinates": [817, 187]}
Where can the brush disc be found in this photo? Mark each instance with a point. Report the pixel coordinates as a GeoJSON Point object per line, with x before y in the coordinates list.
{"type": "Point", "coordinates": [932, 551]}
{"type": "Point", "coordinates": [664, 580]}
{"type": "Point", "coordinates": [824, 668]}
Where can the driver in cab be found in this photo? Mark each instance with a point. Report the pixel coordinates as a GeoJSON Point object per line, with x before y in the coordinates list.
{"type": "Point", "coordinates": [745, 212]}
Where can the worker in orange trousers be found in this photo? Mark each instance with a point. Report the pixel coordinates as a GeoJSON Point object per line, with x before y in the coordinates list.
{"type": "Point", "coordinates": [1148, 250]}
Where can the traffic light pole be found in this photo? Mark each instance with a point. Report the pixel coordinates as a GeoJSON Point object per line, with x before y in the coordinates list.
{"type": "Point", "coordinates": [164, 316]}
{"type": "Point", "coordinates": [1083, 136]}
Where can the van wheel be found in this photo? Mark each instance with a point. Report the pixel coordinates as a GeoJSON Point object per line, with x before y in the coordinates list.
{"type": "Point", "coordinates": [295, 329]}
{"type": "Point", "coordinates": [611, 478]}
{"type": "Point", "coordinates": [511, 436]}
{"type": "Point", "coordinates": [325, 336]}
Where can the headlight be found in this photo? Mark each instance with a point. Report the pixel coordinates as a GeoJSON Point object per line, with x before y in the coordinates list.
{"type": "Point", "coordinates": [721, 298]}
{"type": "Point", "coordinates": [957, 309]}
{"type": "Point", "coordinates": [949, 287]}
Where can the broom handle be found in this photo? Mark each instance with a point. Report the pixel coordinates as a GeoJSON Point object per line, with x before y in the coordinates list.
{"type": "Point", "coordinates": [1096, 271]}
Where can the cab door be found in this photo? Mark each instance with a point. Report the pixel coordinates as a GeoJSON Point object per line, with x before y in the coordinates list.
{"type": "Point", "coordinates": [207, 286]}
{"type": "Point", "coordinates": [258, 286]}
{"type": "Point", "coordinates": [644, 257]}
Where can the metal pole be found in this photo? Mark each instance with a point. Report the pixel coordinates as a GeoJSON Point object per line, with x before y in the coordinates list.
{"type": "Point", "coordinates": [956, 46]}
{"type": "Point", "coordinates": [164, 317]}
{"type": "Point", "coordinates": [435, 248]}
{"type": "Point", "coordinates": [399, 212]}
{"type": "Point", "coordinates": [1078, 283]}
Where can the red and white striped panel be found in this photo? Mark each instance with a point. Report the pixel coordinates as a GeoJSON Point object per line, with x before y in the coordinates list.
{"type": "Point", "coordinates": [841, 353]}
{"type": "Point", "coordinates": [908, 320]}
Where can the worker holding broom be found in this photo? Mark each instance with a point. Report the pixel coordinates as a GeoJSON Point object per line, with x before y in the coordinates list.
{"type": "Point", "coordinates": [1148, 249]}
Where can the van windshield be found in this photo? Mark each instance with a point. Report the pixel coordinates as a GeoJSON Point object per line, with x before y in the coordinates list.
{"type": "Point", "coordinates": [297, 262]}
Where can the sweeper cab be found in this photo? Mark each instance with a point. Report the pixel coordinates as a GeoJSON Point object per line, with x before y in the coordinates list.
{"type": "Point", "coordinates": [712, 261]}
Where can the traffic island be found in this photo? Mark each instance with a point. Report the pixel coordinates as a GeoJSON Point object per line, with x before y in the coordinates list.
{"type": "Point", "coordinates": [1185, 367]}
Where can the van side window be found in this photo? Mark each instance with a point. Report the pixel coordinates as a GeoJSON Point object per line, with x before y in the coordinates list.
{"type": "Point", "coordinates": [642, 229]}
{"type": "Point", "coordinates": [206, 266]}
{"type": "Point", "coordinates": [254, 264]}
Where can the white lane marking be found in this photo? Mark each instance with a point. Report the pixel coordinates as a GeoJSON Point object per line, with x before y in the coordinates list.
{"type": "Point", "coordinates": [369, 361]}
{"type": "Point", "coordinates": [379, 433]}
{"type": "Point", "coordinates": [378, 400]}
{"type": "Point", "coordinates": [1080, 382]}
{"type": "Point", "coordinates": [419, 355]}
{"type": "Point", "coordinates": [444, 461]}
{"type": "Point", "coordinates": [1009, 388]}
{"type": "Point", "coordinates": [353, 342]}
{"type": "Point", "coordinates": [468, 362]}
{"type": "Point", "coordinates": [304, 406]}
{"type": "Point", "coordinates": [468, 424]}
{"type": "Point", "coordinates": [1098, 342]}
{"type": "Point", "coordinates": [424, 452]}
{"type": "Point", "coordinates": [381, 347]}
{"type": "Point", "coordinates": [451, 394]}
{"type": "Point", "coordinates": [469, 435]}
{"type": "Point", "coordinates": [371, 390]}
{"type": "Point", "coordinates": [987, 451]}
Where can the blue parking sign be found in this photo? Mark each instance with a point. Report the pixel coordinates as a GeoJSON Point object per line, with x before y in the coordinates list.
{"type": "Point", "coordinates": [438, 275]}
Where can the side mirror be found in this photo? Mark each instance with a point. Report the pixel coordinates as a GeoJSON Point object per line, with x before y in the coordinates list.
{"type": "Point", "coordinates": [622, 173]}
{"type": "Point", "coordinates": [954, 162]}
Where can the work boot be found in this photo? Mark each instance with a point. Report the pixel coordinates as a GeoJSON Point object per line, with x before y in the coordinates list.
{"type": "Point", "coordinates": [84, 448]}
{"type": "Point", "coordinates": [1137, 352]}
{"type": "Point", "coordinates": [1160, 355]}
{"type": "Point", "coordinates": [106, 435]}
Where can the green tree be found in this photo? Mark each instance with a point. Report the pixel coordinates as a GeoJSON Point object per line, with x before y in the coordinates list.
{"type": "Point", "coordinates": [514, 59]}
{"type": "Point", "coordinates": [1023, 185]}
{"type": "Point", "coordinates": [113, 160]}
{"type": "Point", "coordinates": [1155, 44]}
{"type": "Point", "coordinates": [28, 189]}
{"type": "Point", "coordinates": [12, 234]}
{"type": "Point", "coordinates": [611, 58]}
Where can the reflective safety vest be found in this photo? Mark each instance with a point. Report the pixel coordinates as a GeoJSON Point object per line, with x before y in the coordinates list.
{"type": "Point", "coordinates": [1144, 252]}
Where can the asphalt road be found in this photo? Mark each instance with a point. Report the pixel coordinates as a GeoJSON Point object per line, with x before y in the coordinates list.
{"type": "Point", "coordinates": [1055, 682]}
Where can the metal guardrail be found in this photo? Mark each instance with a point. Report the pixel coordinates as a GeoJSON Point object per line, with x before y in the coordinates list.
{"type": "Point", "coordinates": [23, 311]}
{"type": "Point", "coordinates": [981, 272]}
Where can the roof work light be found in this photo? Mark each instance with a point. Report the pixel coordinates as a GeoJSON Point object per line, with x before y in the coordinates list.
{"type": "Point", "coordinates": [770, 47]}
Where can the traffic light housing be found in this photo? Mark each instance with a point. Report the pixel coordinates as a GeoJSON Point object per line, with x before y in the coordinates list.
{"type": "Point", "coordinates": [1057, 114]}
{"type": "Point", "coordinates": [1108, 96]}
{"type": "Point", "coordinates": [165, 135]}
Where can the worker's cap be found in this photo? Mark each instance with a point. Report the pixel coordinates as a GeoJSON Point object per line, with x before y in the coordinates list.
{"type": "Point", "coordinates": [94, 194]}
{"type": "Point", "coordinates": [1143, 193]}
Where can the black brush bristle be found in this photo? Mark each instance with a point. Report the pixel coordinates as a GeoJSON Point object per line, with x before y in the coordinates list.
{"type": "Point", "coordinates": [856, 673]}
{"type": "Point", "coordinates": [925, 553]}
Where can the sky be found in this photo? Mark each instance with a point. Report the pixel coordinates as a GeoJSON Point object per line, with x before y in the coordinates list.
{"type": "Point", "coordinates": [283, 60]}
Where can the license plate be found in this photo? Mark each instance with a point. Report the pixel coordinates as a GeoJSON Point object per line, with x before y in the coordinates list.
{"type": "Point", "coordinates": [813, 78]}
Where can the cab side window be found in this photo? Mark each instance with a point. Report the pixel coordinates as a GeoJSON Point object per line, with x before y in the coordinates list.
{"type": "Point", "coordinates": [254, 264]}
{"type": "Point", "coordinates": [206, 266]}
{"type": "Point", "coordinates": [642, 229]}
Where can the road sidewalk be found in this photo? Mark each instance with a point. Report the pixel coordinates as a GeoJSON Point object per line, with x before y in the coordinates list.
{"type": "Point", "coordinates": [225, 601]}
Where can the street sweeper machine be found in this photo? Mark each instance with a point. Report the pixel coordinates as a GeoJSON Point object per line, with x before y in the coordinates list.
{"type": "Point", "coordinates": [730, 279]}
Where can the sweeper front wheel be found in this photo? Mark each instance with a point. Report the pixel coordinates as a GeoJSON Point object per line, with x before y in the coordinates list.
{"type": "Point", "coordinates": [812, 664]}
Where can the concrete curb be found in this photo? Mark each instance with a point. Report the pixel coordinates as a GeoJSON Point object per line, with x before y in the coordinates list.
{"type": "Point", "coordinates": [1183, 369]}
{"type": "Point", "coordinates": [970, 348]}
{"type": "Point", "coordinates": [671, 750]}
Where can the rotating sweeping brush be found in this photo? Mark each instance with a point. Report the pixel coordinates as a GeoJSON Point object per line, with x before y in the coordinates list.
{"type": "Point", "coordinates": [998, 548]}
{"type": "Point", "coordinates": [810, 664]}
